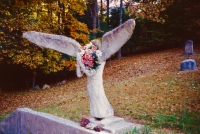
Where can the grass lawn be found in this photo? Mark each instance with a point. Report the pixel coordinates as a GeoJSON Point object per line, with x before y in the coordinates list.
{"type": "Point", "coordinates": [146, 88]}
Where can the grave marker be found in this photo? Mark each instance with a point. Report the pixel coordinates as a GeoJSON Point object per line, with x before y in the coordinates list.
{"type": "Point", "coordinates": [188, 48]}
{"type": "Point", "coordinates": [25, 120]}
{"type": "Point", "coordinates": [189, 64]}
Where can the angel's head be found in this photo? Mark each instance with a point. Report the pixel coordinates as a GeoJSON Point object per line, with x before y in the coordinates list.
{"type": "Point", "coordinates": [97, 43]}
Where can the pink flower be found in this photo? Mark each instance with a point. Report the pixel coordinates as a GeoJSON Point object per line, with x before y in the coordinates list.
{"type": "Point", "coordinates": [90, 63]}
{"type": "Point", "coordinates": [89, 54]}
{"type": "Point", "coordinates": [94, 48]}
{"type": "Point", "coordinates": [87, 59]}
{"type": "Point", "coordinates": [84, 61]}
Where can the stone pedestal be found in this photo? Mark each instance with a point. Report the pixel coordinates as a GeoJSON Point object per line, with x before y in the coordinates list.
{"type": "Point", "coordinates": [25, 120]}
{"type": "Point", "coordinates": [116, 125]}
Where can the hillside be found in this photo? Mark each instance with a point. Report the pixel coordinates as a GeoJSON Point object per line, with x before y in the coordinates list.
{"type": "Point", "coordinates": [141, 86]}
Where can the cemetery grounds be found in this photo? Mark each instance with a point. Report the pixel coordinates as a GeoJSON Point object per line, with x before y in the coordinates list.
{"type": "Point", "coordinates": [146, 88]}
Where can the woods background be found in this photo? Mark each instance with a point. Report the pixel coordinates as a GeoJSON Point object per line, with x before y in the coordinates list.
{"type": "Point", "coordinates": [160, 24]}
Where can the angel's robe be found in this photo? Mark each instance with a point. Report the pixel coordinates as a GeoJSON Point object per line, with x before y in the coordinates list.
{"type": "Point", "coordinates": [99, 104]}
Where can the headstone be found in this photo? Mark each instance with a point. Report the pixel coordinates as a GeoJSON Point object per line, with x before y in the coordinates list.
{"type": "Point", "coordinates": [188, 48]}
{"type": "Point", "coordinates": [36, 87]}
{"type": "Point", "coordinates": [63, 82]}
{"type": "Point", "coordinates": [46, 86]}
{"type": "Point", "coordinates": [25, 120]}
{"type": "Point", "coordinates": [189, 64]}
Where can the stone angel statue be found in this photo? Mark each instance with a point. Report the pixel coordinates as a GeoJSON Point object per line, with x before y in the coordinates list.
{"type": "Point", "coordinates": [90, 58]}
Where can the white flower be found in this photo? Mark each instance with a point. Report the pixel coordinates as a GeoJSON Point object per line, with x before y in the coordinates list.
{"type": "Point", "coordinates": [88, 45]}
{"type": "Point", "coordinates": [98, 53]}
{"type": "Point", "coordinates": [90, 126]}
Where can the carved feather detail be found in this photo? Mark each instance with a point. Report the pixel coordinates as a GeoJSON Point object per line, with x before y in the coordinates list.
{"type": "Point", "coordinates": [59, 43]}
{"type": "Point", "coordinates": [113, 40]}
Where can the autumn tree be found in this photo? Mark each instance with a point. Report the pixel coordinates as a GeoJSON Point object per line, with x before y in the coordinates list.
{"type": "Point", "coordinates": [49, 16]}
{"type": "Point", "coordinates": [182, 20]}
{"type": "Point", "coordinates": [150, 30]}
{"type": "Point", "coordinates": [93, 11]}
{"type": "Point", "coordinates": [148, 9]}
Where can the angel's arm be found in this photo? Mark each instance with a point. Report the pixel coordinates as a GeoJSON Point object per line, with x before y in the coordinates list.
{"type": "Point", "coordinates": [59, 43]}
{"type": "Point", "coordinates": [113, 40]}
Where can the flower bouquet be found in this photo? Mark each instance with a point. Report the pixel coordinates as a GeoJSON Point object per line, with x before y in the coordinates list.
{"type": "Point", "coordinates": [90, 55]}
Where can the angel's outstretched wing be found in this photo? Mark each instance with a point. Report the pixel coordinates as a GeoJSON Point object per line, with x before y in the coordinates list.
{"type": "Point", "coordinates": [113, 40]}
{"type": "Point", "coordinates": [60, 43]}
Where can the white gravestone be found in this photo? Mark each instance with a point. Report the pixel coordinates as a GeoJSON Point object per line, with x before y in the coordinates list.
{"type": "Point", "coordinates": [90, 60]}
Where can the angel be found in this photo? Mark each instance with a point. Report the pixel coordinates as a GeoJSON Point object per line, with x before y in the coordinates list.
{"type": "Point", "coordinates": [90, 60]}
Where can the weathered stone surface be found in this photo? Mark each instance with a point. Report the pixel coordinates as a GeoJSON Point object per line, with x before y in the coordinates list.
{"type": "Point", "coordinates": [24, 120]}
{"type": "Point", "coordinates": [46, 86]}
{"type": "Point", "coordinates": [121, 127]}
{"type": "Point", "coordinates": [189, 64]}
{"type": "Point", "coordinates": [188, 48]}
{"type": "Point", "coordinates": [1, 132]}
{"type": "Point", "coordinates": [106, 121]}
{"type": "Point", "coordinates": [116, 125]}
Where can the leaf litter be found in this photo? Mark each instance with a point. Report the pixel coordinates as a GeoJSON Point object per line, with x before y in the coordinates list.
{"type": "Point", "coordinates": [137, 86]}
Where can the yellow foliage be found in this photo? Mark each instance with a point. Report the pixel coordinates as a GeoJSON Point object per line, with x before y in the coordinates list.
{"type": "Point", "coordinates": [42, 16]}
{"type": "Point", "coordinates": [69, 64]}
{"type": "Point", "coordinates": [77, 30]}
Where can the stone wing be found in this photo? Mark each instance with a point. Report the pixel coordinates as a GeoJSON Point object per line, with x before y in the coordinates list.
{"type": "Point", "coordinates": [113, 40]}
{"type": "Point", "coordinates": [59, 43]}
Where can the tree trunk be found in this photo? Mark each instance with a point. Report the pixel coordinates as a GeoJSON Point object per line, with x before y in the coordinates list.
{"type": "Point", "coordinates": [98, 18]}
{"type": "Point", "coordinates": [34, 75]}
{"type": "Point", "coordinates": [107, 18]}
{"type": "Point", "coordinates": [94, 26]}
{"type": "Point", "coordinates": [58, 31]}
{"type": "Point", "coordinates": [92, 6]}
{"type": "Point", "coordinates": [101, 19]}
{"type": "Point", "coordinates": [120, 18]}
{"type": "Point", "coordinates": [50, 12]}
{"type": "Point", "coordinates": [95, 14]}
{"type": "Point", "coordinates": [119, 55]}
